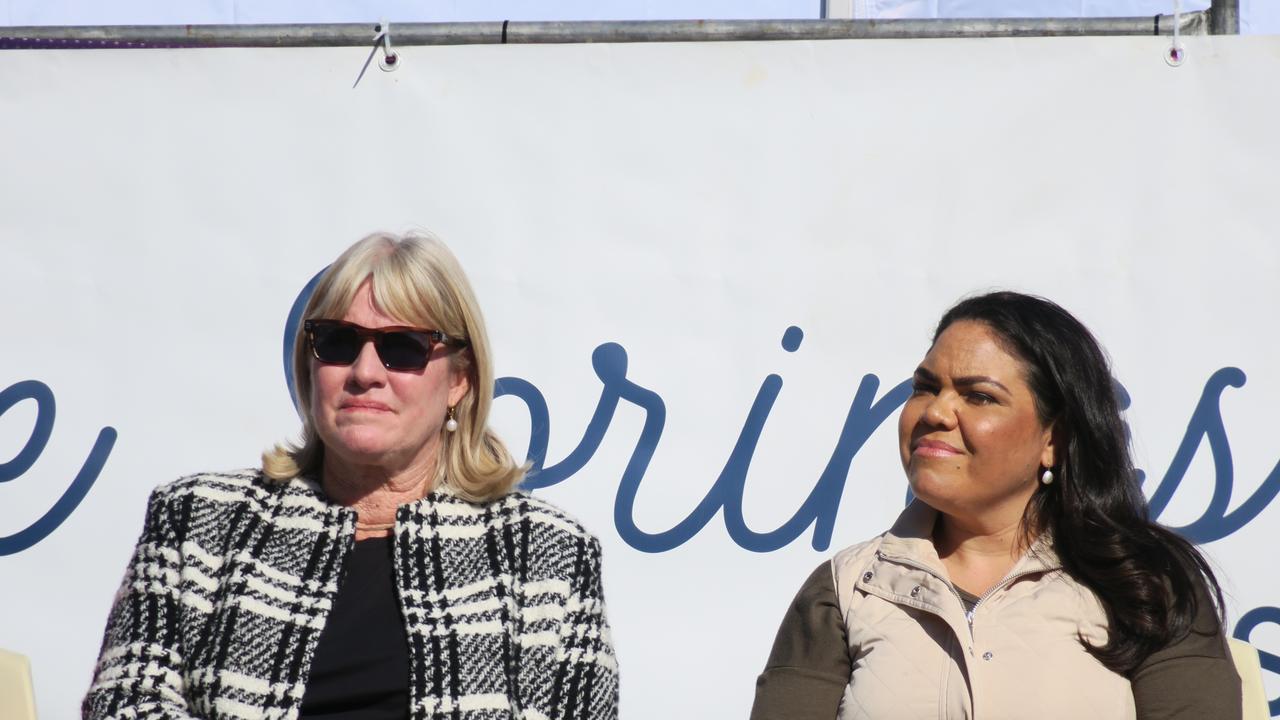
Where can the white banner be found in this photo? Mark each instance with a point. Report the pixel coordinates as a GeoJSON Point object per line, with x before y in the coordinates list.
{"type": "Point", "coordinates": [707, 269]}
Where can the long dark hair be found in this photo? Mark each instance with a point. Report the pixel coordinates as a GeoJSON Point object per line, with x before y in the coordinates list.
{"type": "Point", "coordinates": [1147, 577]}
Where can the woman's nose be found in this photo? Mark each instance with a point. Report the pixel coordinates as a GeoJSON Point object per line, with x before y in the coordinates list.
{"type": "Point", "coordinates": [367, 369]}
{"type": "Point", "coordinates": [941, 411]}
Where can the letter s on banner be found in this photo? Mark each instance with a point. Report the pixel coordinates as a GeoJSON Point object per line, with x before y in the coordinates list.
{"type": "Point", "coordinates": [27, 456]}
{"type": "Point", "coordinates": [1270, 662]}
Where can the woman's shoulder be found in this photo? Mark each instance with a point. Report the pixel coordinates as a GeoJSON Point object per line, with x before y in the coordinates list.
{"type": "Point", "coordinates": [543, 541]}
{"type": "Point", "coordinates": [520, 506]}
{"type": "Point", "coordinates": [517, 511]}
{"type": "Point", "coordinates": [228, 488]}
{"type": "Point", "coordinates": [201, 508]}
{"type": "Point", "coordinates": [907, 537]}
{"type": "Point", "coordinates": [848, 565]}
{"type": "Point", "coordinates": [856, 556]}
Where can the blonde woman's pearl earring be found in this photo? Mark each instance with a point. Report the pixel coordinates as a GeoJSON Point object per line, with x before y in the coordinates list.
{"type": "Point", "coordinates": [451, 425]}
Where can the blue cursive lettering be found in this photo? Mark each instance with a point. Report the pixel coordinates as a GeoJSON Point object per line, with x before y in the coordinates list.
{"type": "Point", "coordinates": [31, 451]}
{"type": "Point", "coordinates": [1206, 425]}
{"type": "Point", "coordinates": [865, 415]}
{"type": "Point", "coordinates": [818, 510]}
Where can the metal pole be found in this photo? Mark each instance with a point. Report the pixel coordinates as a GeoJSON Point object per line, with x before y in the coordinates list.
{"type": "Point", "coordinates": [1224, 17]}
{"type": "Point", "coordinates": [480, 33]}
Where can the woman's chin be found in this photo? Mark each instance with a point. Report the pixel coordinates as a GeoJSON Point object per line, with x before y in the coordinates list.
{"type": "Point", "coordinates": [354, 437]}
{"type": "Point", "coordinates": [363, 451]}
{"type": "Point", "coordinates": [932, 490]}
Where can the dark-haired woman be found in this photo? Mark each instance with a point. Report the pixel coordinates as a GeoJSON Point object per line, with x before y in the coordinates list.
{"type": "Point", "coordinates": [1026, 579]}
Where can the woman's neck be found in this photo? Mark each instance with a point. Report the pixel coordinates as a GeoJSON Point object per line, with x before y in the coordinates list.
{"type": "Point", "coordinates": [976, 555]}
{"type": "Point", "coordinates": [374, 492]}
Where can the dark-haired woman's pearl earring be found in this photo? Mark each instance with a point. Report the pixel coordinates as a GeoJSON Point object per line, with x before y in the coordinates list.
{"type": "Point", "coordinates": [451, 425]}
{"type": "Point", "coordinates": [1046, 477]}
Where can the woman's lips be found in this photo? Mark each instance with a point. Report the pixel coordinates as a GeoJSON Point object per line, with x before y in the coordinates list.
{"type": "Point", "coordinates": [934, 448]}
{"type": "Point", "coordinates": [364, 406]}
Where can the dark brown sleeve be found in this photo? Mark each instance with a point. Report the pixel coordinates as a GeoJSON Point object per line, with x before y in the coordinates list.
{"type": "Point", "coordinates": [1192, 679]}
{"type": "Point", "coordinates": [809, 665]}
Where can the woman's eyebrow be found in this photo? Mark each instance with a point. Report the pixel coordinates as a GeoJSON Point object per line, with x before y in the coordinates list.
{"type": "Point", "coordinates": [978, 379]}
{"type": "Point", "coordinates": [924, 374]}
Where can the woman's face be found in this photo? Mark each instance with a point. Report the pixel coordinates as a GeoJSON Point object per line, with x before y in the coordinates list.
{"type": "Point", "coordinates": [367, 415]}
{"type": "Point", "coordinates": [971, 442]}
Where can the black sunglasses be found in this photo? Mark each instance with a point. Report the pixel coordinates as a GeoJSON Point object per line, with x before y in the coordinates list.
{"type": "Point", "coordinates": [399, 348]}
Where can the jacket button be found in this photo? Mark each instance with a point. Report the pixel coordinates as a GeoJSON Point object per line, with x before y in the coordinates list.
{"type": "Point", "coordinates": [866, 576]}
{"type": "Point", "coordinates": [915, 591]}
{"type": "Point", "coordinates": [987, 655]}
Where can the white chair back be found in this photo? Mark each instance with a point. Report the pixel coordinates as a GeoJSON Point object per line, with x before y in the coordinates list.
{"type": "Point", "coordinates": [1249, 667]}
{"type": "Point", "coordinates": [17, 700]}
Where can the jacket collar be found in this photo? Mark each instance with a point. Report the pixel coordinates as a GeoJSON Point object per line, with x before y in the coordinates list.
{"type": "Point", "coordinates": [911, 538]}
{"type": "Point", "coordinates": [442, 493]}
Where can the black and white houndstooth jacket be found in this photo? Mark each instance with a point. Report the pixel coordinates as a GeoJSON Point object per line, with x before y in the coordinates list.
{"type": "Point", "coordinates": [233, 578]}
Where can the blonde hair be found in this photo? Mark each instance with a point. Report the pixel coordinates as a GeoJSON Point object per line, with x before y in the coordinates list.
{"type": "Point", "coordinates": [416, 279]}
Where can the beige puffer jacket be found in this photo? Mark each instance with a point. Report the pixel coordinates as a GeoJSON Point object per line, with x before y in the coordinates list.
{"type": "Point", "coordinates": [1017, 655]}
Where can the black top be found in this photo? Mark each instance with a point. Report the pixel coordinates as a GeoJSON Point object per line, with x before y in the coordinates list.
{"type": "Point", "coordinates": [361, 665]}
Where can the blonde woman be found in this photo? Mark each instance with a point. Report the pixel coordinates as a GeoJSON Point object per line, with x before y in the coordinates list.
{"type": "Point", "coordinates": [384, 566]}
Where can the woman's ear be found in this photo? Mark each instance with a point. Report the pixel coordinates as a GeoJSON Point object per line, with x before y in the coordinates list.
{"type": "Point", "coordinates": [459, 384]}
{"type": "Point", "coordinates": [1049, 451]}
{"type": "Point", "coordinates": [461, 368]}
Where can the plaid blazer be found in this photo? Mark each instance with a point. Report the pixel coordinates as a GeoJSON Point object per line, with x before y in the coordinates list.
{"type": "Point", "coordinates": [233, 578]}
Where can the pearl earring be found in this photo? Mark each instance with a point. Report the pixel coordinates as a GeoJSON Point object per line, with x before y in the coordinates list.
{"type": "Point", "coordinates": [451, 425]}
{"type": "Point", "coordinates": [1047, 477]}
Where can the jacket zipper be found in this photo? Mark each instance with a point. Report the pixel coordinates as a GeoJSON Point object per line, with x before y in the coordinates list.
{"type": "Point", "coordinates": [968, 614]}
